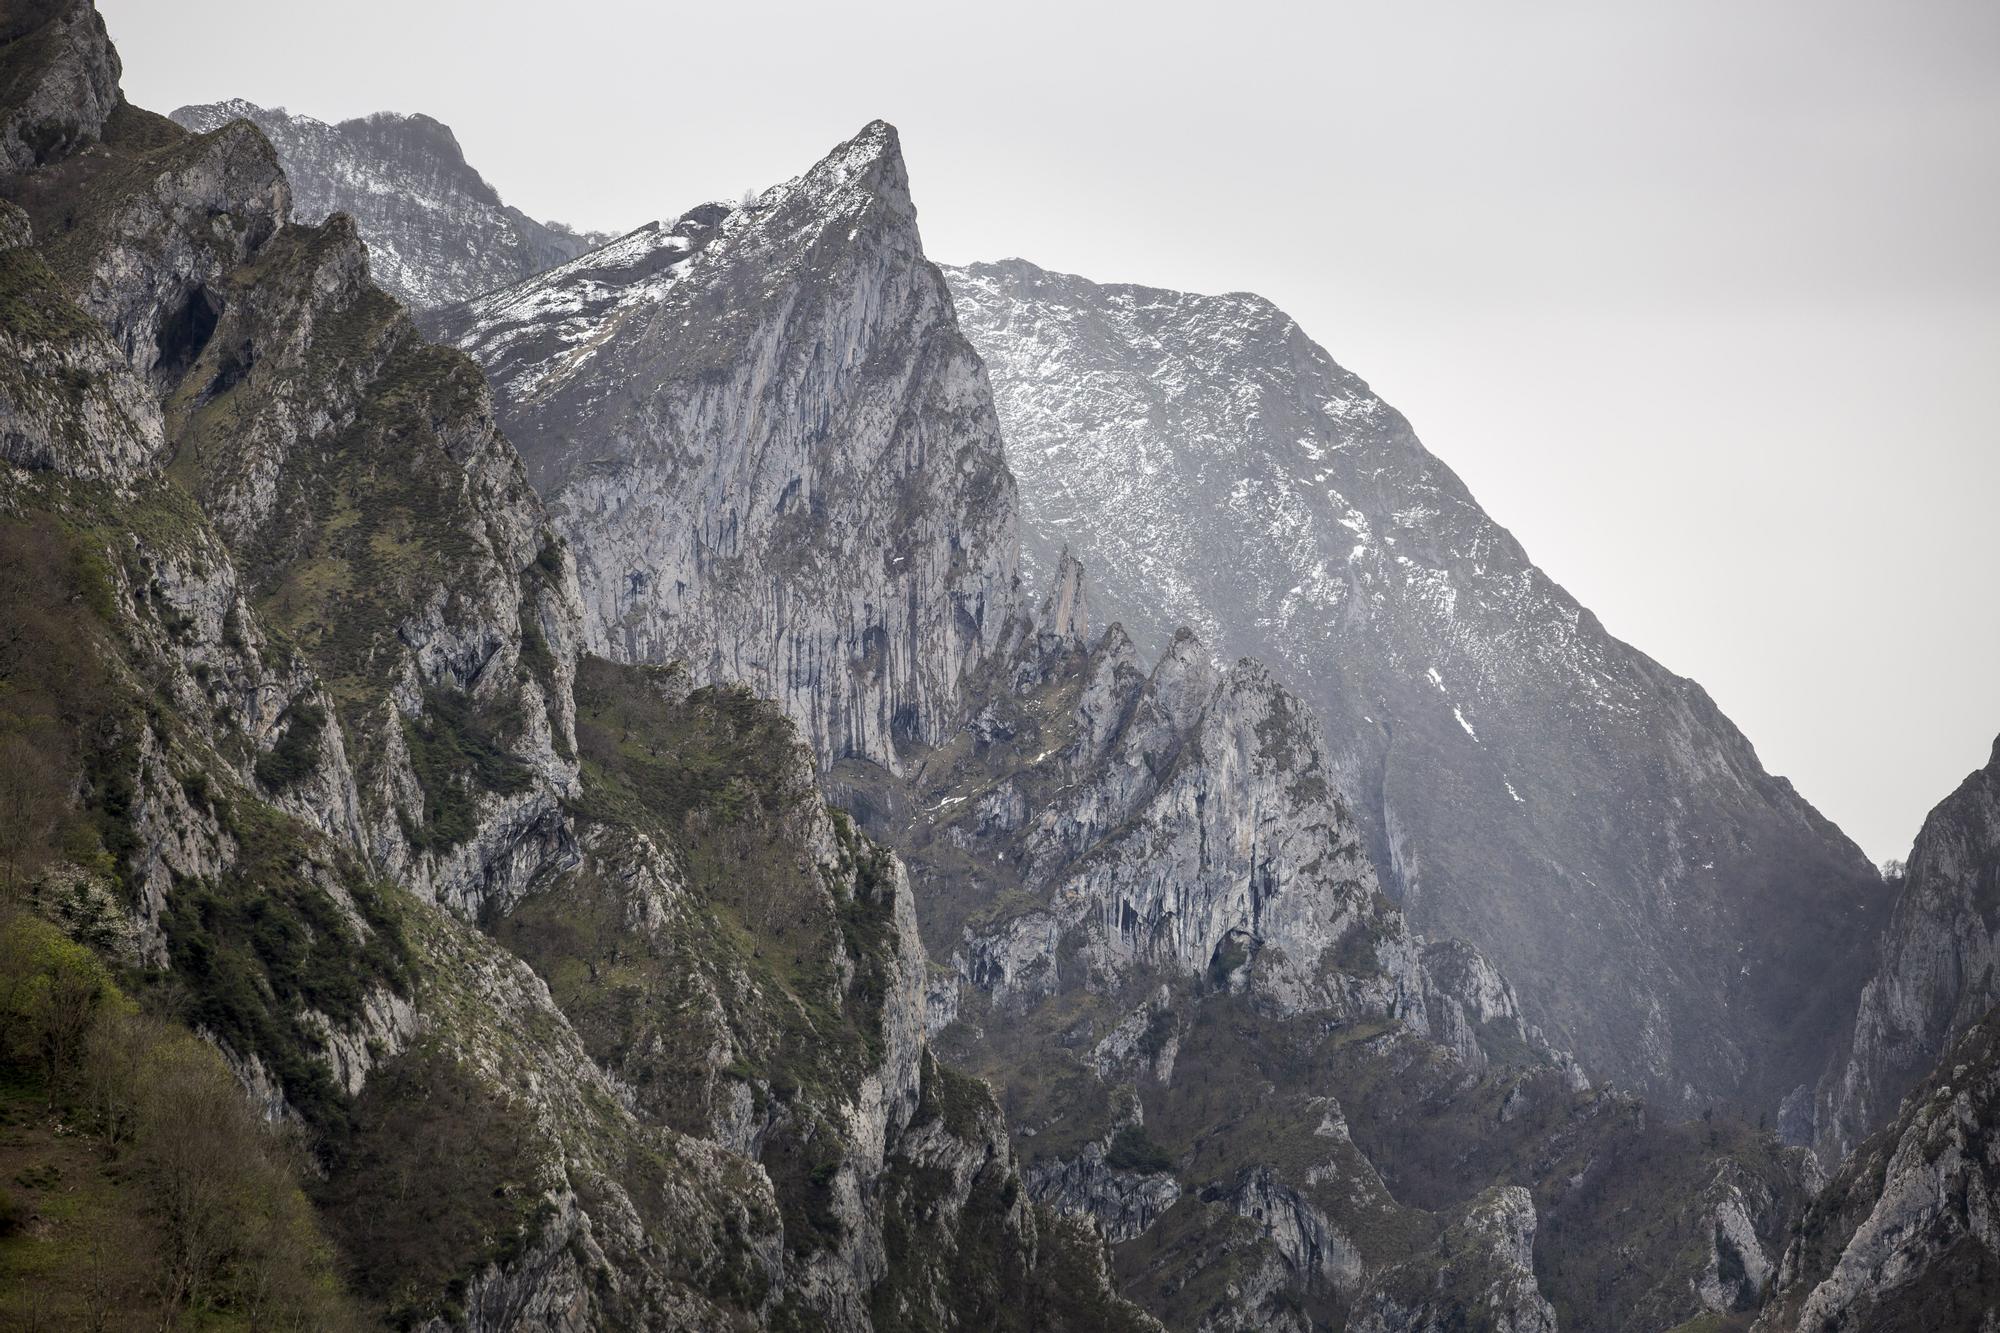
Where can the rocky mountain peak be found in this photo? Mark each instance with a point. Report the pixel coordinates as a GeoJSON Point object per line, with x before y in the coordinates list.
{"type": "Point", "coordinates": [436, 229]}
{"type": "Point", "coordinates": [868, 168]}
{"type": "Point", "coordinates": [741, 498]}
{"type": "Point", "coordinates": [1523, 779]}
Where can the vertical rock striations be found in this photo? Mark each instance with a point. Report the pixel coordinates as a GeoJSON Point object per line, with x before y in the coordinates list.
{"type": "Point", "coordinates": [770, 450]}
{"type": "Point", "coordinates": [593, 1013]}
{"type": "Point", "coordinates": [1906, 1234]}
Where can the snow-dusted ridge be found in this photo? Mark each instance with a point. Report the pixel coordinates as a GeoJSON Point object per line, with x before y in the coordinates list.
{"type": "Point", "coordinates": [1527, 781]}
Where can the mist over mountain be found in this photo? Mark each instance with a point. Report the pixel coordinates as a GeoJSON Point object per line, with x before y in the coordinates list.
{"type": "Point", "coordinates": [731, 778]}
{"type": "Point", "coordinates": [1682, 919]}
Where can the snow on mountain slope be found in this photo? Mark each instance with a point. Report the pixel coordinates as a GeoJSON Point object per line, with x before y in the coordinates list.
{"type": "Point", "coordinates": [1681, 918]}
{"type": "Point", "coordinates": [771, 450]}
{"type": "Point", "coordinates": [436, 231]}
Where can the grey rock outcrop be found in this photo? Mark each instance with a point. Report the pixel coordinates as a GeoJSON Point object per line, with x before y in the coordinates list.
{"type": "Point", "coordinates": [436, 231]}
{"type": "Point", "coordinates": [1677, 916]}
{"type": "Point", "coordinates": [1487, 1282]}
{"type": "Point", "coordinates": [322, 663]}
{"type": "Point", "coordinates": [62, 73]}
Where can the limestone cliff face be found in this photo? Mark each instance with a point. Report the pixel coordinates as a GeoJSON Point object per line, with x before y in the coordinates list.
{"type": "Point", "coordinates": [436, 231]}
{"type": "Point", "coordinates": [770, 450]}
{"type": "Point", "coordinates": [1523, 780]}
{"type": "Point", "coordinates": [1906, 1234]}
{"type": "Point", "coordinates": [63, 81]}
{"type": "Point", "coordinates": [1178, 821]}
{"type": "Point", "coordinates": [1938, 971]}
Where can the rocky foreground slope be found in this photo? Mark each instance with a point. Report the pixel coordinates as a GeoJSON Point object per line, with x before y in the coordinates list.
{"type": "Point", "coordinates": [585, 1008]}
{"type": "Point", "coordinates": [437, 232]}
{"type": "Point", "coordinates": [1680, 918]}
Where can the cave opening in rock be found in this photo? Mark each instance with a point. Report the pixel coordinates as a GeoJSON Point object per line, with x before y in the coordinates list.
{"type": "Point", "coordinates": [186, 332]}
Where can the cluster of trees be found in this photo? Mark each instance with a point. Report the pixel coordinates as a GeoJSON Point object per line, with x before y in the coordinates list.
{"type": "Point", "coordinates": [201, 1220]}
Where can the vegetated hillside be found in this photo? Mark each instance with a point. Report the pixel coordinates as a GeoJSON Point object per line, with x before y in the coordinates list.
{"type": "Point", "coordinates": [301, 742]}
{"type": "Point", "coordinates": [1679, 917]}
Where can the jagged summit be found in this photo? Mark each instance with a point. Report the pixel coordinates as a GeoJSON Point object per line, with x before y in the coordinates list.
{"type": "Point", "coordinates": [772, 448]}
{"type": "Point", "coordinates": [436, 229]}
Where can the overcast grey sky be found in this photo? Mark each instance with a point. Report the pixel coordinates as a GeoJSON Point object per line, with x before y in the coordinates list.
{"type": "Point", "coordinates": [1702, 299]}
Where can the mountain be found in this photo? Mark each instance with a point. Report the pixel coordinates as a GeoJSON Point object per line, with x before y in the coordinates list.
{"type": "Point", "coordinates": [1211, 1031]}
{"type": "Point", "coordinates": [772, 454]}
{"type": "Point", "coordinates": [1155, 930]}
{"type": "Point", "coordinates": [670, 876]}
{"type": "Point", "coordinates": [436, 231]}
{"type": "Point", "coordinates": [369, 953]}
{"type": "Point", "coordinates": [1680, 918]}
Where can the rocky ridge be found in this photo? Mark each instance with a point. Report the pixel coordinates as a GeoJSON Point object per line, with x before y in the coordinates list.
{"type": "Point", "coordinates": [1119, 862]}
{"type": "Point", "coordinates": [809, 497]}
{"type": "Point", "coordinates": [437, 232]}
{"type": "Point", "coordinates": [1680, 918]}
{"type": "Point", "coordinates": [1165, 941]}
{"type": "Point", "coordinates": [1904, 1234]}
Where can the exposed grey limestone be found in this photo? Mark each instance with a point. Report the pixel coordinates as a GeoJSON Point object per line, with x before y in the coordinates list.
{"type": "Point", "coordinates": [1906, 1233]}
{"type": "Point", "coordinates": [808, 496]}
{"type": "Point", "coordinates": [64, 74]}
{"type": "Point", "coordinates": [1488, 1280]}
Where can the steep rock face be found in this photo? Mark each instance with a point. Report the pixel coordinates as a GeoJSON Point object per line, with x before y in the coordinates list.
{"type": "Point", "coordinates": [436, 231]}
{"type": "Point", "coordinates": [1938, 971]}
{"type": "Point", "coordinates": [61, 79]}
{"type": "Point", "coordinates": [1673, 913]}
{"type": "Point", "coordinates": [1093, 822]}
{"type": "Point", "coordinates": [343, 461]}
{"type": "Point", "coordinates": [771, 451]}
{"type": "Point", "coordinates": [1906, 1235]}
{"type": "Point", "coordinates": [109, 427]}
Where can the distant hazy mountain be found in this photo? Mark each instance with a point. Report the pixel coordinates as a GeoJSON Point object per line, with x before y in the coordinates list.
{"type": "Point", "coordinates": [436, 231]}
{"type": "Point", "coordinates": [1682, 919]}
